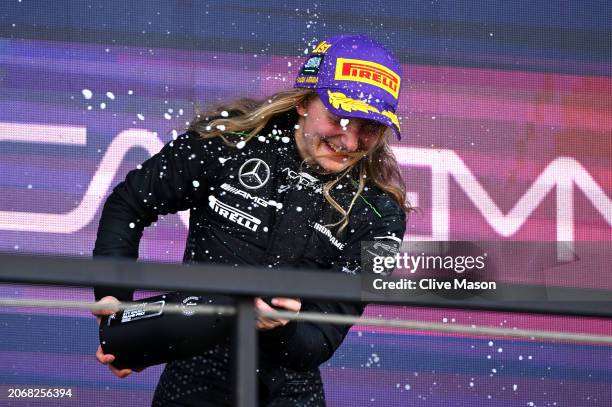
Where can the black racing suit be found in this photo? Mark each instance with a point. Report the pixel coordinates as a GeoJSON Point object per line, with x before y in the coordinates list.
{"type": "Point", "coordinates": [253, 204]}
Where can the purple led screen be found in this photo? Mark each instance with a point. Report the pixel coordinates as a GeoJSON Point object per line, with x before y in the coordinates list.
{"type": "Point", "coordinates": [503, 139]}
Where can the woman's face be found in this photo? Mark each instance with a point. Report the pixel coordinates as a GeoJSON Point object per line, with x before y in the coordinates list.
{"type": "Point", "coordinates": [325, 139]}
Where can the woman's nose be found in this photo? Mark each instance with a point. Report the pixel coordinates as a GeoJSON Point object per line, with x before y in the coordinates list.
{"type": "Point", "coordinates": [350, 138]}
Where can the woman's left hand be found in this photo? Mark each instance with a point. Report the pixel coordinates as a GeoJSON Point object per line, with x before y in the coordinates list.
{"type": "Point", "coordinates": [265, 323]}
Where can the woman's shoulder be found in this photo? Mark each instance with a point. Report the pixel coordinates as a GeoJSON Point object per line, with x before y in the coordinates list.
{"type": "Point", "coordinates": [222, 144]}
{"type": "Point", "coordinates": [376, 215]}
{"type": "Point", "coordinates": [374, 203]}
{"type": "Point", "coordinates": [381, 200]}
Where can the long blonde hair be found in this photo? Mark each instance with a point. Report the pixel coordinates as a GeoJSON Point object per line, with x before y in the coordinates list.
{"type": "Point", "coordinates": [248, 117]}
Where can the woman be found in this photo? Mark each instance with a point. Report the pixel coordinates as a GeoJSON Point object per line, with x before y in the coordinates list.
{"type": "Point", "coordinates": [297, 180]}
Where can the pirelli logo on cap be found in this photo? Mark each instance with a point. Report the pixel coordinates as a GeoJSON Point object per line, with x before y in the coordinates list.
{"type": "Point", "coordinates": [368, 72]}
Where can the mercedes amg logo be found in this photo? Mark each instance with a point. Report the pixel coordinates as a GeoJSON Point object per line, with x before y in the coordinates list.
{"type": "Point", "coordinates": [254, 173]}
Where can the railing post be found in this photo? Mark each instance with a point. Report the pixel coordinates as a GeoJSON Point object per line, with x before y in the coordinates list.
{"type": "Point", "coordinates": [246, 353]}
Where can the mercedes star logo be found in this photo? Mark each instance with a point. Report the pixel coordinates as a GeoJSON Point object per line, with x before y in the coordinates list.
{"type": "Point", "coordinates": [254, 173]}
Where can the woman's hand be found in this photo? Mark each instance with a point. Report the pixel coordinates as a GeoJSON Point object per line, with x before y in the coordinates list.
{"type": "Point", "coordinates": [265, 323]}
{"type": "Point", "coordinates": [107, 358]}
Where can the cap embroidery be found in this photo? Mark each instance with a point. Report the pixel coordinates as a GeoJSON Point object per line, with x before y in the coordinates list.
{"type": "Point", "coordinates": [340, 101]}
{"type": "Point", "coordinates": [322, 47]}
{"type": "Point", "coordinates": [391, 117]}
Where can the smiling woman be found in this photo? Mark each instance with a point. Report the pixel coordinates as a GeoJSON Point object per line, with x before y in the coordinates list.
{"type": "Point", "coordinates": [297, 180]}
{"type": "Point", "coordinates": [331, 142]}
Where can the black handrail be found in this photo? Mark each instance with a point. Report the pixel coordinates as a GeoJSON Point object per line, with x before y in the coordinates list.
{"type": "Point", "coordinates": [252, 281]}
{"type": "Point", "coordinates": [248, 282]}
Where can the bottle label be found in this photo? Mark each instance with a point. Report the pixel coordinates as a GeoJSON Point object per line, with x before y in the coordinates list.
{"type": "Point", "coordinates": [142, 311]}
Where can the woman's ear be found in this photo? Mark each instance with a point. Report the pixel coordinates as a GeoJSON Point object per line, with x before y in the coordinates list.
{"type": "Point", "coordinates": [301, 108]}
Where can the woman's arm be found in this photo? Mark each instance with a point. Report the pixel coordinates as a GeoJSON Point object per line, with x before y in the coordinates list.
{"type": "Point", "coordinates": [170, 181]}
{"type": "Point", "coordinates": [306, 345]}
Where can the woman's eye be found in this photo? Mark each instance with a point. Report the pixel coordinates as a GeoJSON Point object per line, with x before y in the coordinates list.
{"type": "Point", "coordinates": [370, 128]}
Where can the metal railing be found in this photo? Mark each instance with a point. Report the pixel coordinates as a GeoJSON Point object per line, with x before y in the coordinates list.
{"type": "Point", "coordinates": [246, 283]}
